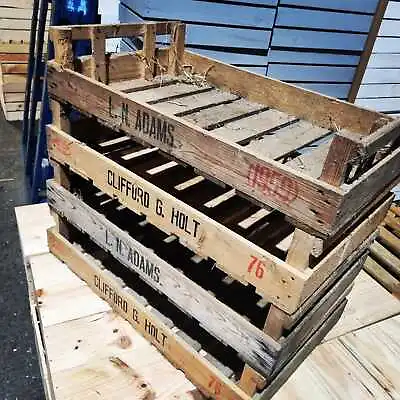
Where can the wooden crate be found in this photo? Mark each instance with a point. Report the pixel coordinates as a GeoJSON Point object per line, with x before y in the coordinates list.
{"type": "Point", "coordinates": [211, 336]}
{"type": "Point", "coordinates": [234, 125]}
{"type": "Point", "coordinates": [196, 287]}
{"type": "Point", "coordinates": [384, 262]}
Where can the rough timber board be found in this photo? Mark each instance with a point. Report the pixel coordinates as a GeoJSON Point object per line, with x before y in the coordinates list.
{"type": "Point", "coordinates": [281, 284]}
{"type": "Point", "coordinates": [290, 192]}
{"type": "Point", "coordinates": [33, 221]}
{"type": "Point", "coordinates": [79, 349]}
{"type": "Point", "coordinates": [256, 348]}
{"type": "Point", "coordinates": [205, 376]}
{"type": "Point", "coordinates": [368, 303]}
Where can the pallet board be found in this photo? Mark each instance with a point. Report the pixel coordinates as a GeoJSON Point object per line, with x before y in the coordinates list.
{"type": "Point", "coordinates": [15, 31]}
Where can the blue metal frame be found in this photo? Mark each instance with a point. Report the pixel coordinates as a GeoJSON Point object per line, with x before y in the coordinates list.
{"type": "Point", "coordinates": [64, 12]}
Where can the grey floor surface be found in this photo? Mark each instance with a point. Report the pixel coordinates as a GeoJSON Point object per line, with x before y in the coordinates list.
{"type": "Point", "coordinates": [19, 369]}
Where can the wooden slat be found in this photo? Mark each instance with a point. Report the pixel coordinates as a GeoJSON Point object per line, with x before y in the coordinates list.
{"type": "Point", "coordinates": [286, 140]}
{"type": "Point", "coordinates": [392, 242]}
{"type": "Point", "coordinates": [195, 102]}
{"type": "Point", "coordinates": [368, 47]}
{"type": "Point", "coordinates": [381, 275]}
{"type": "Point", "coordinates": [177, 48]}
{"type": "Point", "coordinates": [81, 32]}
{"type": "Point", "coordinates": [211, 117]}
{"type": "Point", "coordinates": [166, 93]}
{"type": "Point", "coordinates": [149, 51]}
{"type": "Point", "coordinates": [386, 258]}
{"type": "Point", "coordinates": [250, 127]}
{"type": "Point", "coordinates": [136, 85]}
{"type": "Point", "coordinates": [99, 67]}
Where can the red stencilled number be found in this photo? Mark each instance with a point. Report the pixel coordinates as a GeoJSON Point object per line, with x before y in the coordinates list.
{"type": "Point", "coordinates": [215, 386]}
{"type": "Point", "coordinates": [256, 266]}
{"type": "Point", "coordinates": [272, 183]}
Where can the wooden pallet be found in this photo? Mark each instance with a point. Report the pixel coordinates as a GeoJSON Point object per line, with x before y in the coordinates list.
{"type": "Point", "coordinates": [212, 366]}
{"type": "Point", "coordinates": [384, 262]}
{"type": "Point", "coordinates": [15, 31]}
{"type": "Point", "coordinates": [70, 315]}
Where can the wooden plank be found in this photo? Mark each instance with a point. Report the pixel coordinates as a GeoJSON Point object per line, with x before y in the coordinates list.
{"type": "Point", "coordinates": [253, 126]}
{"type": "Point", "coordinates": [195, 102]}
{"type": "Point", "coordinates": [287, 139]}
{"type": "Point", "coordinates": [14, 68]}
{"type": "Point", "coordinates": [368, 47]}
{"type": "Point", "coordinates": [256, 348]}
{"type": "Point", "coordinates": [383, 364]}
{"type": "Point", "coordinates": [289, 192]}
{"type": "Point", "coordinates": [167, 93]}
{"type": "Point", "coordinates": [13, 48]}
{"type": "Point", "coordinates": [369, 303]}
{"type": "Point", "coordinates": [386, 258]}
{"type": "Point", "coordinates": [13, 57]}
{"type": "Point", "coordinates": [206, 237]}
{"type": "Point", "coordinates": [177, 48]}
{"type": "Point", "coordinates": [33, 221]}
{"type": "Point", "coordinates": [99, 62]}
{"type": "Point", "coordinates": [14, 12]}
{"type": "Point", "coordinates": [331, 371]}
{"type": "Point", "coordinates": [197, 369]}
{"type": "Point", "coordinates": [82, 32]}
{"type": "Point", "coordinates": [280, 96]}
{"type": "Point", "coordinates": [212, 117]}
{"type": "Point", "coordinates": [17, 24]}
{"type": "Point", "coordinates": [209, 13]}
{"type": "Point", "coordinates": [363, 6]}
{"type": "Point", "coordinates": [392, 242]}
{"type": "Point", "coordinates": [327, 20]}
{"type": "Point", "coordinates": [17, 3]}
{"type": "Point", "coordinates": [381, 275]}
{"type": "Point", "coordinates": [149, 51]}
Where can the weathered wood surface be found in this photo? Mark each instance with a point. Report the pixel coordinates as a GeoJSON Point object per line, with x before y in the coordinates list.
{"type": "Point", "coordinates": [280, 283]}
{"type": "Point", "coordinates": [109, 332]}
{"type": "Point", "coordinates": [288, 191]}
{"type": "Point", "coordinates": [259, 350]}
{"type": "Point", "coordinates": [196, 368]}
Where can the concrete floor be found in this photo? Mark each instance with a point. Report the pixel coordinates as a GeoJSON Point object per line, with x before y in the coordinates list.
{"type": "Point", "coordinates": [19, 371]}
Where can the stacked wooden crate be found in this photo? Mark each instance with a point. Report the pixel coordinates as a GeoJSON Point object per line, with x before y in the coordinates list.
{"type": "Point", "coordinates": [15, 30]}
{"type": "Point", "coordinates": [223, 213]}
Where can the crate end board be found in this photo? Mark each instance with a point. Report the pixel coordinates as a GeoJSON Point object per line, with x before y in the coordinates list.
{"type": "Point", "coordinates": [209, 379]}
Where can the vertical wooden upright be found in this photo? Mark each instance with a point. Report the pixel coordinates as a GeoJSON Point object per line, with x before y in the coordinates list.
{"type": "Point", "coordinates": [149, 50]}
{"type": "Point", "coordinates": [177, 49]}
{"type": "Point", "coordinates": [99, 58]}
